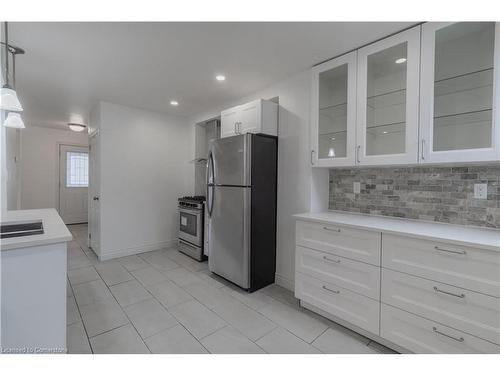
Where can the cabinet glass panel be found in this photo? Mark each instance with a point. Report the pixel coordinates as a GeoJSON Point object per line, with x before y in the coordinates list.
{"type": "Point", "coordinates": [332, 135]}
{"type": "Point", "coordinates": [463, 86]}
{"type": "Point", "coordinates": [386, 101]}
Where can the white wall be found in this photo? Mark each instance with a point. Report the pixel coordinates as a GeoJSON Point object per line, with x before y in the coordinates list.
{"type": "Point", "coordinates": [299, 189]}
{"type": "Point", "coordinates": [144, 169]}
{"type": "Point", "coordinates": [40, 164]}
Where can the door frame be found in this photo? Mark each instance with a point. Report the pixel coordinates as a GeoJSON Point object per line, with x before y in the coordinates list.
{"type": "Point", "coordinates": [93, 242]}
{"type": "Point", "coordinates": [58, 172]}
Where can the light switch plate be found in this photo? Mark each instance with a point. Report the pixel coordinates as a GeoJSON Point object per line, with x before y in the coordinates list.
{"type": "Point", "coordinates": [357, 187]}
{"type": "Point", "coordinates": [480, 191]}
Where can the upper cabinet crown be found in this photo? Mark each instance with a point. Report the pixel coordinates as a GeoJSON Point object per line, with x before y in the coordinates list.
{"type": "Point", "coordinates": [425, 95]}
{"type": "Point", "coordinates": [259, 116]}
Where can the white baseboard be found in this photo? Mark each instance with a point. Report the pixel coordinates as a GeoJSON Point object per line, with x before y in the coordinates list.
{"type": "Point", "coordinates": [285, 282]}
{"type": "Point", "coordinates": [106, 255]}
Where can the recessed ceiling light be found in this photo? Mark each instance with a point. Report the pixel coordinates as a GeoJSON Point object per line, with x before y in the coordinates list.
{"type": "Point", "coordinates": [400, 60]}
{"type": "Point", "coordinates": [174, 103]}
{"type": "Point", "coordinates": [384, 132]}
{"type": "Point", "coordinates": [220, 77]}
{"type": "Point", "coordinates": [332, 138]}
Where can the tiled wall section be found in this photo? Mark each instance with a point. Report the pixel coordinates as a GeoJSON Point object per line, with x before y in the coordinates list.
{"type": "Point", "coordinates": [444, 194]}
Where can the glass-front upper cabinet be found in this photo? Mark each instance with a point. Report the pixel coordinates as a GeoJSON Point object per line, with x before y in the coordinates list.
{"type": "Point", "coordinates": [387, 100]}
{"type": "Point", "coordinates": [459, 121]}
{"type": "Point", "coordinates": [333, 112]}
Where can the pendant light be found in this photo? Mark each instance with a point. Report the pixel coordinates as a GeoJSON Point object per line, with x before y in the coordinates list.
{"type": "Point", "coordinates": [14, 120]}
{"type": "Point", "coordinates": [8, 96]}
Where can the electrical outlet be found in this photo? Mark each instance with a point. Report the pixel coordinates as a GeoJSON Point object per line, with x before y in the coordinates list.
{"type": "Point", "coordinates": [357, 187]}
{"type": "Point", "coordinates": [480, 191]}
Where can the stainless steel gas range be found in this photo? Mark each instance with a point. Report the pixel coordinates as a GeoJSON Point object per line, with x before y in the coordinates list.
{"type": "Point", "coordinates": [191, 226]}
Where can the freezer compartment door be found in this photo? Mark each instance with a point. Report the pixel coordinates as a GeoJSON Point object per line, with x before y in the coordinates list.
{"type": "Point", "coordinates": [230, 234]}
{"type": "Point", "coordinates": [231, 160]}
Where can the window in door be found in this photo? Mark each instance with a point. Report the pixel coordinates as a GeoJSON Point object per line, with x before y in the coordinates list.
{"type": "Point", "coordinates": [77, 169]}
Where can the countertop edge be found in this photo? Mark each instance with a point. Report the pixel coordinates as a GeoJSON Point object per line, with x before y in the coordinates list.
{"type": "Point", "coordinates": [34, 243]}
{"type": "Point", "coordinates": [55, 229]}
{"type": "Point", "coordinates": [309, 216]}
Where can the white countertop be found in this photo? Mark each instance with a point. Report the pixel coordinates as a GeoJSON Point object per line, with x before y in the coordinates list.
{"type": "Point", "coordinates": [54, 229]}
{"type": "Point", "coordinates": [457, 234]}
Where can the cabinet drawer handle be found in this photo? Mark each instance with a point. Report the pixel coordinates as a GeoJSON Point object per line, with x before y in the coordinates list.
{"type": "Point", "coordinates": [460, 339]}
{"type": "Point", "coordinates": [312, 157]}
{"type": "Point", "coordinates": [331, 290]}
{"type": "Point", "coordinates": [463, 252]}
{"type": "Point", "coordinates": [449, 293]}
{"type": "Point", "coordinates": [357, 154]}
{"type": "Point", "coordinates": [337, 230]}
{"type": "Point", "coordinates": [331, 260]}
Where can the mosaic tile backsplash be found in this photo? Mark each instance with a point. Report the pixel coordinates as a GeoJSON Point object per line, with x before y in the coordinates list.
{"type": "Point", "coordinates": [444, 194]}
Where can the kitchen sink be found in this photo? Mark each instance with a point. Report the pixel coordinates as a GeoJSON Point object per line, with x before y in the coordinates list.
{"type": "Point", "coordinates": [21, 228]}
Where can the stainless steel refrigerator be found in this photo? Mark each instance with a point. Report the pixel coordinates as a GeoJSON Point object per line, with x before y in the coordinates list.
{"type": "Point", "coordinates": [241, 204]}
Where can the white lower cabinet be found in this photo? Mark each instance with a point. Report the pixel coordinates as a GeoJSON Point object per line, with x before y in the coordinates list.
{"type": "Point", "coordinates": [352, 243]}
{"type": "Point", "coordinates": [356, 276]}
{"type": "Point", "coordinates": [421, 335]}
{"type": "Point", "coordinates": [352, 307]}
{"type": "Point", "coordinates": [420, 295]}
{"type": "Point", "coordinates": [468, 311]}
{"type": "Point", "coordinates": [469, 267]}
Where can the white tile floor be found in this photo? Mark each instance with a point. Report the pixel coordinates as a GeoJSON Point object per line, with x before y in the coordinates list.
{"type": "Point", "coordinates": [165, 302]}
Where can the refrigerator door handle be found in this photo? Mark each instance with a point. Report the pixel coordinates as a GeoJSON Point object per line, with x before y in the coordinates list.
{"type": "Point", "coordinates": [210, 183]}
{"type": "Point", "coordinates": [210, 199]}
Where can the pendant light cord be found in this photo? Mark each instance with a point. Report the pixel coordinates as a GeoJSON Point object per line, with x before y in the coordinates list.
{"type": "Point", "coordinates": [6, 55]}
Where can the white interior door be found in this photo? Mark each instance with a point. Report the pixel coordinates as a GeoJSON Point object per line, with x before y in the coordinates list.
{"type": "Point", "coordinates": [73, 183]}
{"type": "Point", "coordinates": [94, 193]}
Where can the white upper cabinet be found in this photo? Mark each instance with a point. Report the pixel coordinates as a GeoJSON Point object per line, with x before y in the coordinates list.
{"type": "Point", "coordinates": [259, 116]}
{"type": "Point", "coordinates": [459, 86]}
{"type": "Point", "coordinates": [388, 99]}
{"type": "Point", "coordinates": [228, 122]}
{"type": "Point", "coordinates": [333, 114]}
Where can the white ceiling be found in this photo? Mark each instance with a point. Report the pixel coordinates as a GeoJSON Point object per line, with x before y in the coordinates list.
{"type": "Point", "coordinates": [68, 67]}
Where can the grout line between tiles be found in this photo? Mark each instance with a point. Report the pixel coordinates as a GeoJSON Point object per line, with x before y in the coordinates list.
{"type": "Point", "coordinates": [81, 319]}
{"type": "Point", "coordinates": [276, 297]}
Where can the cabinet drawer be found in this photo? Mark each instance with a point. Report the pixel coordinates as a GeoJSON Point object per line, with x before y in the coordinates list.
{"type": "Point", "coordinates": [421, 335]}
{"type": "Point", "coordinates": [352, 307]}
{"type": "Point", "coordinates": [463, 266]}
{"type": "Point", "coordinates": [350, 274]}
{"type": "Point", "coordinates": [357, 244]}
{"type": "Point", "coordinates": [471, 312]}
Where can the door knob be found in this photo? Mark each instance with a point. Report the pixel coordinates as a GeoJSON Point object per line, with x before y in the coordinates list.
{"type": "Point", "coordinates": [96, 198]}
